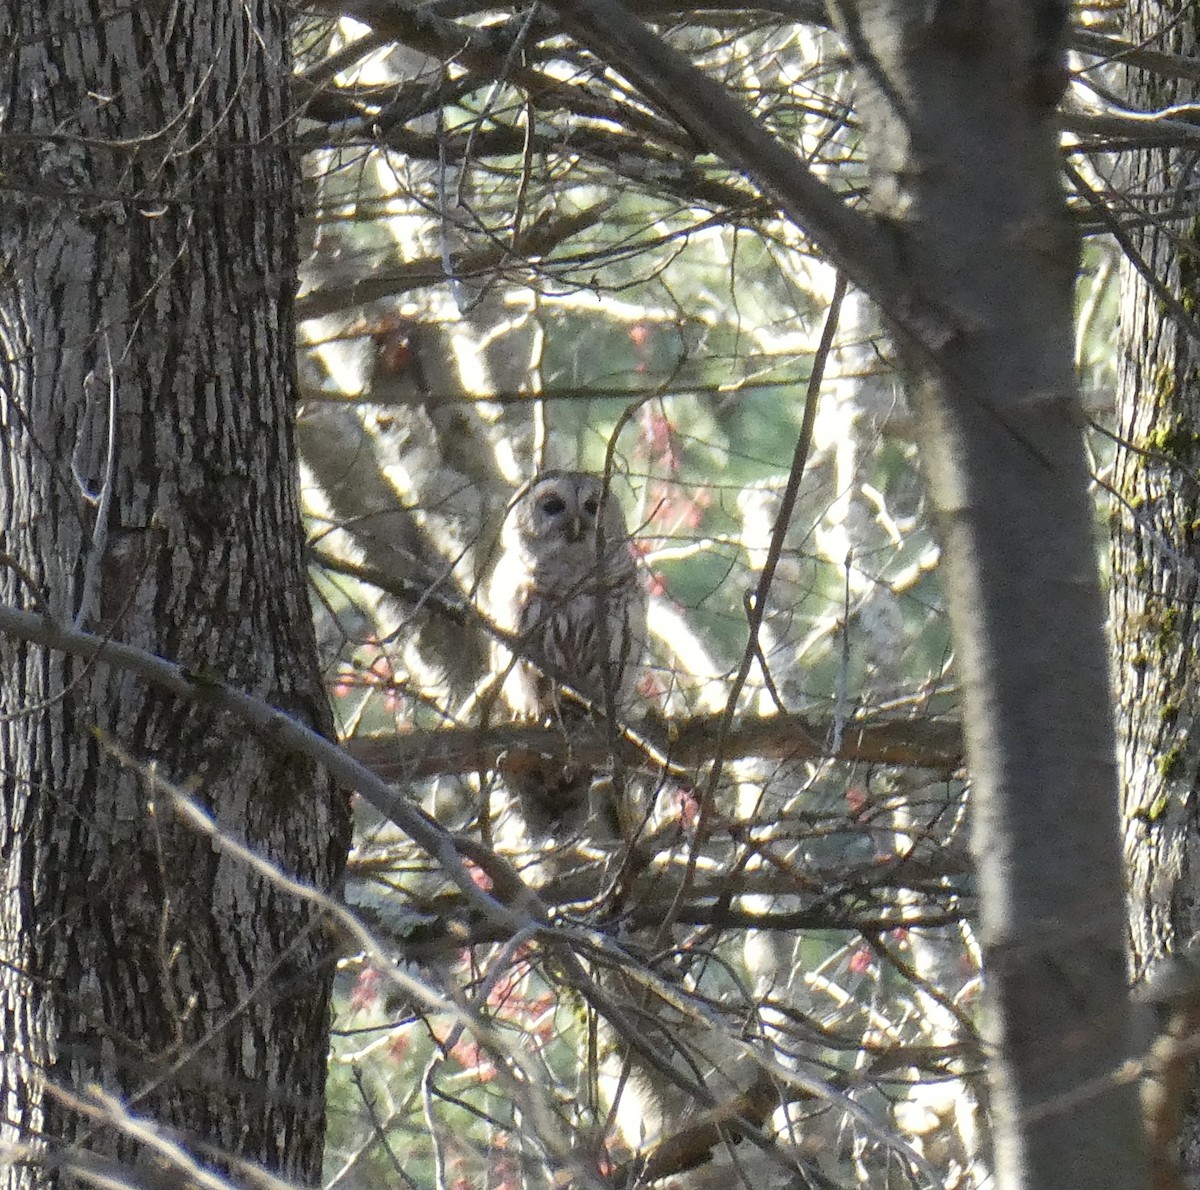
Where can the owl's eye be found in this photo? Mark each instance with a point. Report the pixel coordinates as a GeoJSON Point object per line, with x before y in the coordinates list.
{"type": "Point", "coordinates": [591, 506]}
{"type": "Point", "coordinates": [552, 505]}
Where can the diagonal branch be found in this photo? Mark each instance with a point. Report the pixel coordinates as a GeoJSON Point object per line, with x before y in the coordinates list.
{"type": "Point", "coordinates": [537, 240]}
{"type": "Point", "coordinates": [290, 735]}
{"type": "Point", "coordinates": [857, 243]}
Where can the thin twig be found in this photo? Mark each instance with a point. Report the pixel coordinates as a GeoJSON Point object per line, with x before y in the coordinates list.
{"type": "Point", "coordinates": [766, 577]}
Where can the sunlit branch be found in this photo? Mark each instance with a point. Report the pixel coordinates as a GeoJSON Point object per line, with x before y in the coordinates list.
{"type": "Point", "coordinates": [917, 743]}
{"type": "Point", "coordinates": [289, 734]}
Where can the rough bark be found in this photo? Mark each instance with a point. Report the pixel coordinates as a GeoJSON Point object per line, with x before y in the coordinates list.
{"type": "Point", "coordinates": [1156, 548]}
{"type": "Point", "coordinates": [959, 104]}
{"type": "Point", "coordinates": [147, 238]}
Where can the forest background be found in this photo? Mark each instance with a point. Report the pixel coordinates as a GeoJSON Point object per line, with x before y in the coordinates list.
{"type": "Point", "coordinates": [875, 317]}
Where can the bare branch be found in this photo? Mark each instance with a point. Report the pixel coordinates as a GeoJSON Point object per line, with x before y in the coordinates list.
{"type": "Point", "coordinates": [923, 744]}
{"type": "Point", "coordinates": [286, 733]}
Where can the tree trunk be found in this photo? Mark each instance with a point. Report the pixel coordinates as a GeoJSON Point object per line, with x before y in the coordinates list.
{"type": "Point", "coordinates": [1156, 548]}
{"type": "Point", "coordinates": [959, 108]}
{"type": "Point", "coordinates": [149, 493]}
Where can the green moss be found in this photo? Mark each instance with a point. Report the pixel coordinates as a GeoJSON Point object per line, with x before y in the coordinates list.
{"type": "Point", "coordinates": [1171, 764]}
{"type": "Point", "coordinates": [1167, 631]}
{"type": "Point", "coordinates": [1175, 439]}
{"type": "Point", "coordinates": [1169, 713]}
{"type": "Point", "coordinates": [1154, 811]}
{"type": "Point", "coordinates": [1164, 384]}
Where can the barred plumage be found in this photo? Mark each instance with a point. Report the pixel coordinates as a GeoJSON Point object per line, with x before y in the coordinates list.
{"type": "Point", "coordinates": [567, 587]}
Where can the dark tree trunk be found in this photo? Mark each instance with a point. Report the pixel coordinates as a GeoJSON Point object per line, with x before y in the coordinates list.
{"type": "Point", "coordinates": [961, 134]}
{"type": "Point", "coordinates": [148, 254]}
{"type": "Point", "coordinates": [1156, 530]}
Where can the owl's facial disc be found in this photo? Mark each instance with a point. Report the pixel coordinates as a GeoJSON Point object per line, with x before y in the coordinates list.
{"type": "Point", "coordinates": [584, 521]}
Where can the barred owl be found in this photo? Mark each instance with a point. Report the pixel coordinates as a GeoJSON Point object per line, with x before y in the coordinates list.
{"type": "Point", "coordinates": [568, 588]}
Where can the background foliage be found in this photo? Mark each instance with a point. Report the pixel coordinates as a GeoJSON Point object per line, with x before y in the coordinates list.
{"type": "Point", "coordinates": [513, 262]}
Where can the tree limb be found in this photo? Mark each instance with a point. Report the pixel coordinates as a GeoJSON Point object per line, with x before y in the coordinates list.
{"type": "Point", "coordinates": [289, 734]}
{"type": "Point", "coordinates": [924, 744]}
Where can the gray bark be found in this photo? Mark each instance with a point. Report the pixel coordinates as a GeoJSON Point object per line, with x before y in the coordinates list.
{"type": "Point", "coordinates": [147, 239]}
{"type": "Point", "coordinates": [1156, 553]}
{"type": "Point", "coordinates": [959, 104]}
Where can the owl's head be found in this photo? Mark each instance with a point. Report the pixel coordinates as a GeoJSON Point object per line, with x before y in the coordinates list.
{"type": "Point", "coordinates": [564, 507]}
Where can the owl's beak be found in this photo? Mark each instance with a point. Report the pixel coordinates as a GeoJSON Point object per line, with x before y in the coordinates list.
{"type": "Point", "coordinates": [575, 531]}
